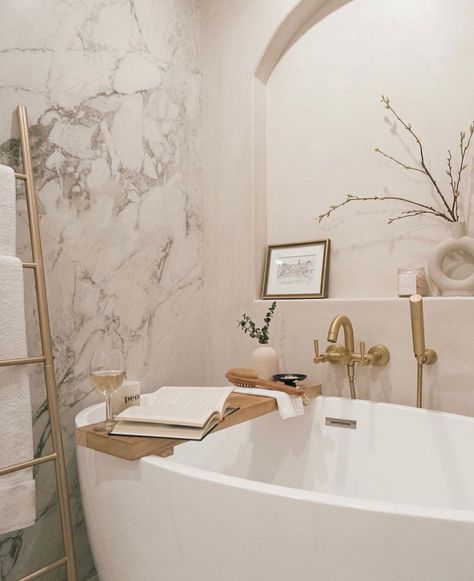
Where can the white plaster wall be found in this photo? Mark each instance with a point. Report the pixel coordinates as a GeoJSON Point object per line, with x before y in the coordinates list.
{"type": "Point", "coordinates": [237, 34]}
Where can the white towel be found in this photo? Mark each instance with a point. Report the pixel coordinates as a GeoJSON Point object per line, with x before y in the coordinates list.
{"type": "Point", "coordinates": [288, 405]}
{"type": "Point", "coordinates": [17, 490]}
{"type": "Point", "coordinates": [7, 211]}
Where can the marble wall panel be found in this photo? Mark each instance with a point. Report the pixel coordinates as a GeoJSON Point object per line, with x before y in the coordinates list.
{"type": "Point", "coordinates": [113, 91]}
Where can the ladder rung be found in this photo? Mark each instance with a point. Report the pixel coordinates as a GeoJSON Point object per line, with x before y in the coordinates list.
{"type": "Point", "coordinates": [29, 264]}
{"type": "Point", "coordinates": [22, 361]}
{"type": "Point", "coordinates": [45, 569]}
{"type": "Point", "coordinates": [20, 176]}
{"type": "Point", "coordinates": [27, 464]}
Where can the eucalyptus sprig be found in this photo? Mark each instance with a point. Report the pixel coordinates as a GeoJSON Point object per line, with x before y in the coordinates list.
{"type": "Point", "coordinates": [448, 209]}
{"type": "Point", "coordinates": [261, 334]}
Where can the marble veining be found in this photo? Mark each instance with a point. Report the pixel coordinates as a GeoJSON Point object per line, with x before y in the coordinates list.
{"type": "Point", "coordinates": [113, 91]}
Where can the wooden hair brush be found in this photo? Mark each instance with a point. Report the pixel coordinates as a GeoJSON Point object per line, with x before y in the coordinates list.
{"type": "Point", "coordinates": [243, 377]}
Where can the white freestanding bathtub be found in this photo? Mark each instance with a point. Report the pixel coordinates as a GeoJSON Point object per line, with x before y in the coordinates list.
{"type": "Point", "coordinates": [294, 500]}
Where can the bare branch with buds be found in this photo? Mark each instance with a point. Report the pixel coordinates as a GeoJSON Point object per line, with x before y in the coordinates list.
{"type": "Point", "coordinates": [449, 210]}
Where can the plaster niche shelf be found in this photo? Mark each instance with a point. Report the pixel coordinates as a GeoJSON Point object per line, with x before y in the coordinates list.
{"type": "Point", "coordinates": [359, 300]}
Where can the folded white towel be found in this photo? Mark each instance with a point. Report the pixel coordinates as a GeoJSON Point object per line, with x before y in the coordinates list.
{"type": "Point", "coordinates": [7, 211]}
{"type": "Point", "coordinates": [288, 405]}
{"type": "Point", "coordinates": [17, 490]}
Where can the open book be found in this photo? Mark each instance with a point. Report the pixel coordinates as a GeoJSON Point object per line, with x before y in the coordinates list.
{"type": "Point", "coordinates": [187, 413]}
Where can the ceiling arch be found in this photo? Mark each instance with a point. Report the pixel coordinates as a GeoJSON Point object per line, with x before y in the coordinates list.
{"type": "Point", "coordinates": [304, 16]}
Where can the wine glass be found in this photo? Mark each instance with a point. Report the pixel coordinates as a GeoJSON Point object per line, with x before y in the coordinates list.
{"type": "Point", "coordinates": [107, 372]}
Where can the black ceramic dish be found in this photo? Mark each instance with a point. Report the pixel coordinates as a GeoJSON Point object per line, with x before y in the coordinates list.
{"type": "Point", "coordinates": [289, 378]}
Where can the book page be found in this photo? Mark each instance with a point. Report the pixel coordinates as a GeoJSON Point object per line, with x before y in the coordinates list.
{"type": "Point", "coordinates": [155, 430]}
{"type": "Point", "coordinates": [159, 430]}
{"type": "Point", "coordinates": [190, 406]}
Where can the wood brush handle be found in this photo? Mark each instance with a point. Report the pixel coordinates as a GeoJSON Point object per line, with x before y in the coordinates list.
{"type": "Point", "coordinates": [257, 382]}
{"type": "Point", "coordinates": [277, 386]}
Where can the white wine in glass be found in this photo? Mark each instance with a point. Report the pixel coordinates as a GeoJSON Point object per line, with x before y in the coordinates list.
{"type": "Point", "coordinates": [107, 372]}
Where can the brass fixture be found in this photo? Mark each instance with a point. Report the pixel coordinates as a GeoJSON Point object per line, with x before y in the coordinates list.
{"type": "Point", "coordinates": [378, 355]}
{"type": "Point", "coordinates": [47, 360]}
{"type": "Point", "coordinates": [344, 322]}
{"type": "Point", "coordinates": [423, 356]}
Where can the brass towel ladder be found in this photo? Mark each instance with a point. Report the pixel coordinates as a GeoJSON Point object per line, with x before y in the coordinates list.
{"type": "Point", "coordinates": [57, 456]}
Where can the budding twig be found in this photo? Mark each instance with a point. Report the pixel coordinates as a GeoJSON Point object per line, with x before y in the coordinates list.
{"type": "Point", "coordinates": [450, 212]}
{"type": "Point", "coordinates": [425, 209]}
{"type": "Point", "coordinates": [463, 149]}
{"type": "Point", "coordinates": [424, 168]}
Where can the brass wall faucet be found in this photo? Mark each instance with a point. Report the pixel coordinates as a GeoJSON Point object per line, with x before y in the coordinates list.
{"type": "Point", "coordinates": [377, 355]}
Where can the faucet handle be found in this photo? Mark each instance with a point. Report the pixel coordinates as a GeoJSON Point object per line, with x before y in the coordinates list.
{"type": "Point", "coordinates": [317, 357]}
{"type": "Point", "coordinates": [316, 348]}
{"type": "Point", "coordinates": [363, 359]}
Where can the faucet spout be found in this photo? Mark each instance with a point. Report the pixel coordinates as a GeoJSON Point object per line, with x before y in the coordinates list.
{"type": "Point", "coordinates": [344, 322]}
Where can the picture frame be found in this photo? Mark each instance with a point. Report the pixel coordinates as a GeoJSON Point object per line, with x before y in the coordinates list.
{"type": "Point", "coordinates": [298, 270]}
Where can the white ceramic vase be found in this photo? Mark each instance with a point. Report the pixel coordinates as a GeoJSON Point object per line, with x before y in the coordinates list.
{"type": "Point", "coordinates": [457, 280]}
{"type": "Point", "coordinates": [264, 361]}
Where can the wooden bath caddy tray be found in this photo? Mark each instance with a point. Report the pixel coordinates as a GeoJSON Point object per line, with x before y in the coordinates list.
{"type": "Point", "coordinates": [136, 447]}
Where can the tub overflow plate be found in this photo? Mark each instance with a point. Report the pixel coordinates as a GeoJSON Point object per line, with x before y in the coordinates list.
{"type": "Point", "coordinates": [341, 423]}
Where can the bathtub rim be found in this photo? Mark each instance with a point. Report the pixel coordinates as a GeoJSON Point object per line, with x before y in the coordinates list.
{"type": "Point", "coordinates": [342, 501]}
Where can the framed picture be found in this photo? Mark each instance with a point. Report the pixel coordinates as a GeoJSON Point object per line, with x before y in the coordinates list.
{"type": "Point", "coordinates": [297, 271]}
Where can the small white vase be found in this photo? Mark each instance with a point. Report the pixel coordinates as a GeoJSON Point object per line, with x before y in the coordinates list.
{"type": "Point", "coordinates": [264, 361]}
{"type": "Point", "coordinates": [458, 281]}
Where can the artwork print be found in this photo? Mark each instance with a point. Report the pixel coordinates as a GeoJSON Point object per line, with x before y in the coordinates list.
{"type": "Point", "coordinates": [296, 270]}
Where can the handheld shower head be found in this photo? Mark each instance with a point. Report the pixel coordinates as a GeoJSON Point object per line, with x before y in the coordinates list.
{"type": "Point", "coordinates": [417, 327]}
{"type": "Point", "coordinates": [423, 356]}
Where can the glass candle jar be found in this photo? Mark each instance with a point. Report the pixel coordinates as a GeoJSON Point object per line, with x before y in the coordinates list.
{"type": "Point", "coordinates": [411, 281]}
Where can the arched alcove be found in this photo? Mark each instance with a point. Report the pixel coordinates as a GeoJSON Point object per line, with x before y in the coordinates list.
{"type": "Point", "coordinates": [317, 120]}
{"type": "Point", "coordinates": [304, 16]}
